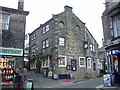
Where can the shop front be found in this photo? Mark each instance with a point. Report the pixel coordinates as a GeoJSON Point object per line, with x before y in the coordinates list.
{"type": "Point", "coordinates": [7, 65]}
{"type": "Point", "coordinates": [113, 61]}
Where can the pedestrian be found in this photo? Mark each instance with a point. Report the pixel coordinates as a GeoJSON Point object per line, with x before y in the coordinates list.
{"type": "Point", "coordinates": [17, 79]}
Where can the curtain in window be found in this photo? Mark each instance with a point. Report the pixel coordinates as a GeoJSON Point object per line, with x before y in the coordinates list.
{"type": "Point", "coordinates": [116, 25]}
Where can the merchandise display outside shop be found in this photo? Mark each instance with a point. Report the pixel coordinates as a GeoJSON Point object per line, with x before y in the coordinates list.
{"type": "Point", "coordinates": [7, 65]}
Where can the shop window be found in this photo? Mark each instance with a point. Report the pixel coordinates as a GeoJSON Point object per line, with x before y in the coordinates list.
{"type": "Point", "coordinates": [116, 25]}
{"type": "Point", "coordinates": [88, 62]}
{"type": "Point", "coordinates": [82, 62]}
{"type": "Point", "coordinates": [46, 62]}
{"type": "Point", "coordinates": [61, 41]}
{"type": "Point", "coordinates": [62, 61]}
{"type": "Point", "coordinates": [4, 21]}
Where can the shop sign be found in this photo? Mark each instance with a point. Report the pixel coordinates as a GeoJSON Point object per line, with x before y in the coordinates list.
{"type": "Point", "coordinates": [86, 45]}
{"type": "Point", "coordinates": [50, 74]}
{"type": "Point", "coordinates": [73, 65]}
{"type": "Point", "coordinates": [117, 51]}
{"type": "Point", "coordinates": [109, 53]}
{"type": "Point", "coordinates": [11, 51]}
{"type": "Point", "coordinates": [55, 76]}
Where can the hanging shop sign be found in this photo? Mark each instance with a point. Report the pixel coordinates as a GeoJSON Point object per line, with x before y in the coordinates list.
{"type": "Point", "coordinates": [11, 51]}
{"type": "Point", "coordinates": [73, 65]}
{"type": "Point", "coordinates": [86, 45]}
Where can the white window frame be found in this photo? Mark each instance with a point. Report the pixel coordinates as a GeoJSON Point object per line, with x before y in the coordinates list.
{"type": "Point", "coordinates": [89, 62]}
{"type": "Point", "coordinates": [4, 24]}
{"type": "Point", "coordinates": [61, 41]}
{"type": "Point", "coordinates": [83, 62]}
{"type": "Point", "coordinates": [65, 58]}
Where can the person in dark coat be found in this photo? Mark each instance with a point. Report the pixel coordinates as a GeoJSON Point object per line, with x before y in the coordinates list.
{"type": "Point", "coordinates": [17, 79]}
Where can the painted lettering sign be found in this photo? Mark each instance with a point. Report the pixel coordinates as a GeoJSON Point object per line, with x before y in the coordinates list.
{"type": "Point", "coordinates": [11, 51]}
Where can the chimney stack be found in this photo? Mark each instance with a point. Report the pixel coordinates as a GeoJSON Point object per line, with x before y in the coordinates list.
{"type": "Point", "coordinates": [67, 9]}
{"type": "Point", "coordinates": [21, 4]}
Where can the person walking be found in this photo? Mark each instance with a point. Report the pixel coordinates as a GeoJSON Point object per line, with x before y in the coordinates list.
{"type": "Point", "coordinates": [17, 79]}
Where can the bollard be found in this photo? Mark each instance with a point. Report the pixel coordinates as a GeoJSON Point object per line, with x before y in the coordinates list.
{"type": "Point", "coordinates": [29, 84]}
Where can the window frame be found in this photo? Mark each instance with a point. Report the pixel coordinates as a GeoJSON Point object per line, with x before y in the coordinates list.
{"type": "Point", "coordinates": [46, 65]}
{"type": "Point", "coordinates": [33, 48]}
{"type": "Point", "coordinates": [83, 62]}
{"type": "Point", "coordinates": [115, 25]}
{"type": "Point", "coordinates": [2, 22]}
{"type": "Point", "coordinates": [43, 44]}
{"type": "Point", "coordinates": [47, 28]}
{"type": "Point", "coordinates": [90, 63]}
{"type": "Point", "coordinates": [62, 42]}
{"type": "Point", "coordinates": [65, 60]}
{"type": "Point", "coordinates": [46, 43]}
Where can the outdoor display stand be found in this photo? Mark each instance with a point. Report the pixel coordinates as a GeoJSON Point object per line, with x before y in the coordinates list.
{"type": "Point", "coordinates": [6, 70]}
{"type": "Point", "coordinates": [7, 65]}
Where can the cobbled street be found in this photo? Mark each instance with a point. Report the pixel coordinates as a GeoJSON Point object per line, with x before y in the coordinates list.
{"type": "Point", "coordinates": [41, 82]}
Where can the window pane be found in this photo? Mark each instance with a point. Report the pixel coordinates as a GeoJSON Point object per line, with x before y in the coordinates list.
{"type": "Point", "coordinates": [62, 41]}
{"type": "Point", "coordinates": [47, 43]}
{"type": "Point", "coordinates": [116, 25]}
{"type": "Point", "coordinates": [89, 63]}
{"type": "Point", "coordinates": [4, 21]}
{"type": "Point", "coordinates": [43, 31]}
{"type": "Point", "coordinates": [81, 61]}
{"type": "Point", "coordinates": [43, 44]}
{"type": "Point", "coordinates": [47, 28]}
{"type": "Point", "coordinates": [61, 61]}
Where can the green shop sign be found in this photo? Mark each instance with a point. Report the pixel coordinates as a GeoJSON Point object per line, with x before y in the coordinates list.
{"type": "Point", "coordinates": [11, 51]}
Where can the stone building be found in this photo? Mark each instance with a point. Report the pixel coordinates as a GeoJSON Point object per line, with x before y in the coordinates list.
{"type": "Point", "coordinates": [12, 32]}
{"type": "Point", "coordinates": [67, 44]}
{"type": "Point", "coordinates": [111, 30]}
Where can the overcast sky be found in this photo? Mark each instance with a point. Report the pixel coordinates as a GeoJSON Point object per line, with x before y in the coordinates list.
{"type": "Point", "coordinates": [89, 11]}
